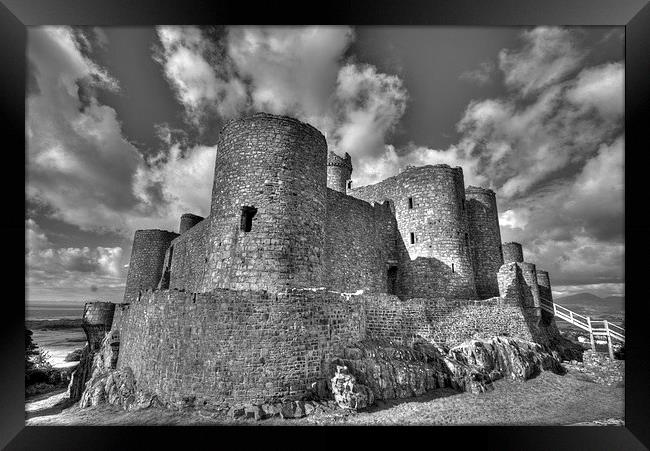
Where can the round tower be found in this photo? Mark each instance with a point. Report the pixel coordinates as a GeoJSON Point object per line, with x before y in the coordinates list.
{"type": "Point", "coordinates": [97, 319]}
{"type": "Point", "coordinates": [147, 259]}
{"type": "Point", "coordinates": [339, 171]}
{"type": "Point", "coordinates": [512, 252]}
{"type": "Point", "coordinates": [188, 220]}
{"type": "Point", "coordinates": [268, 208]}
{"type": "Point", "coordinates": [432, 219]}
{"type": "Point", "coordinates": [485, 239]}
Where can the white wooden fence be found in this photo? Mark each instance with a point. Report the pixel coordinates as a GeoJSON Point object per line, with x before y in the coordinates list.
{"type": "Point", "coordinates": [594, 327]}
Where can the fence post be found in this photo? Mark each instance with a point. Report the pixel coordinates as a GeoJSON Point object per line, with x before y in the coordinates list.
{"type": "Point", "coordinates": [591, 335]}
{"type": "Point", "coordinates": [609, 341]}
{"type": "Point", "coordinates": [571, 316]}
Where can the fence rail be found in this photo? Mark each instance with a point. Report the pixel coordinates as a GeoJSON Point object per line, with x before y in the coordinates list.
{"type": "Point", "coordinates": [601, 328]}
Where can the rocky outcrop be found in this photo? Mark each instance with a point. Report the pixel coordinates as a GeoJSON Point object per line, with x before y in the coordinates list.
{"type": "Point", "coordinates": [110, 385]}
{"type": "Point", "coordinates": [506, 357]}
{"type": "Point", "coordinates": [81, 374]}
{"type": "Point", "coordinates": [349, 394]}
{"type": "Point", "coordinates": [383, 370]}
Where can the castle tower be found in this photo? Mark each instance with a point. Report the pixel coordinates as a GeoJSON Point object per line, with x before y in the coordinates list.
{"type": "Point", "coordinates": [188, 220]}
{"type": "Point", "coordinates": [147, 259]}
{"type": "Point", "coordinates": [268, 206]}
{"type": "Point", "coordinates": [339, 171]}
{"type": "Point", "coordinates": [512, 252]}
{"type": "Point", "coordinates": [485, 239]}
{"type": "Point", "coordinates": [97, 319]}
{"type": "Point", "coordinates": [432, 219]}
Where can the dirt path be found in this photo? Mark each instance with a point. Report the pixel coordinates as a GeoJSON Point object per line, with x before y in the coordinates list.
{"type": "Point", "coordinates": [548, 399]}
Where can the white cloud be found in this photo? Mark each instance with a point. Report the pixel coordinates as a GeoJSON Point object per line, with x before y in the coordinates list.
{"type": "Point", "coordinates": [601, 88]}
{"type": "Point", "coordinates": [290, 70]}
{"type": "Point", "coordinates": [548, 55]}
{"type": "Point", "coordinates": [199, 86]}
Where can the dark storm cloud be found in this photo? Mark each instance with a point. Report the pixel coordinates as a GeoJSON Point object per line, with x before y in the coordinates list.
{"type": "Point", "coordinates": [542, 125]}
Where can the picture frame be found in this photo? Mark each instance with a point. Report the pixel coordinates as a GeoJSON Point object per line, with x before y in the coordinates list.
{"type": "Point", "coordinates": [16, 15]}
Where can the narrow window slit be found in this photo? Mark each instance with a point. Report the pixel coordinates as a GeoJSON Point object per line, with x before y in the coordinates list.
{"type": "Point", "coordinates": [247, 214]}
{"type": "Point", "coordinates": [412, 238]}
{"type": "Point", "coordinates": [410, 203]}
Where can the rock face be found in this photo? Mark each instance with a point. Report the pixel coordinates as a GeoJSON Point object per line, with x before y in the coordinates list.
{"type": "Point", "coordinates": [349, 394]}
{"type": "Point", "coordinates": [112, 386]}
{"type": "Point", "coordinates": [81, 374]}
{"type": "Point", "coordinates": [383, 370]}
{"type": "Point", "coordinates": [506, 357]}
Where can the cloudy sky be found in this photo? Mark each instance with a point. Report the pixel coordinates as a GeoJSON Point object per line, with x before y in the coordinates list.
{"type": "Point", "coordinates": [122, 123]}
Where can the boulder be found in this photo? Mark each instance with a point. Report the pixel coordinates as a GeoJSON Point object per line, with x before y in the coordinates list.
{"type": "Point", "coordinates": [348, 393]}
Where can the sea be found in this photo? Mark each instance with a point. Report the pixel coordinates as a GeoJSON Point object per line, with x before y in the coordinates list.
{"type": "Point", "coordinates": [53, 330]}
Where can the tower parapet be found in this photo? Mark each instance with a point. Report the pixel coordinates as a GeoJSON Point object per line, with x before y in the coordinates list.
{"type": "Point", "coordinates": [339, 171]}
{"type": "Point", "coordinates": [147, 260]}
{"type": "Point", "coordinates": [485, 239]}
{"type": "Point", "coordinates": [188, 220]}
{"type": "Point", "coordinates": [512, 252]}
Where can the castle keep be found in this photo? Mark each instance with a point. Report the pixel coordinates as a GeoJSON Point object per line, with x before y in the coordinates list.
{"type": "Point", "coordinates": [293, 263]}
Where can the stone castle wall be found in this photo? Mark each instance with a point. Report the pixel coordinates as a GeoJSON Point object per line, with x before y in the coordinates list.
{"type": "Point", "coordinates": [213, 350]}
{"type": "Point", "coordinates": [429, 205]}
{"type": "Point", "coordinates": [189, 254]}
{"type": "Point", "coordinates": [147, 261]}
{"type": "Point", "coordinates": [224, 347]}
{"type": "Point", "coordinates": [276, 167]}
{"type": "Point", "coordinates": [359, 243]}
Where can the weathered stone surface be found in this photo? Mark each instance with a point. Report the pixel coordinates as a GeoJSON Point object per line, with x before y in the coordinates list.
{"type": "Point", "coordinates": [348, 393]}
{"type": "Point", "coordinates": [506, 357]}
{"type": "Point", "coordinates": [392, 371]}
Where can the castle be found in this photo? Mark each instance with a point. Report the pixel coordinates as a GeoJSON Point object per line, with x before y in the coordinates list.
{"type": "Point", "coordinates": [284, 215]}
{"type": "Point", "coordinates": [293, 263]}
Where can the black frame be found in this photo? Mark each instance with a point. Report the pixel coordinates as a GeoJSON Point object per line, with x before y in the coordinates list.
{"type": "Point", "coordinates": [15, 15]}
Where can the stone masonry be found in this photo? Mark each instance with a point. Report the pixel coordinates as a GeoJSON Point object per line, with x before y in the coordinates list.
{"type": "Point", "coordinates": [293, 264]}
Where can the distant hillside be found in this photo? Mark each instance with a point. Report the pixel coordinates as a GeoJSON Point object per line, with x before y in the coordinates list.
{"type": "Point", "coordinates": [611, 308]}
